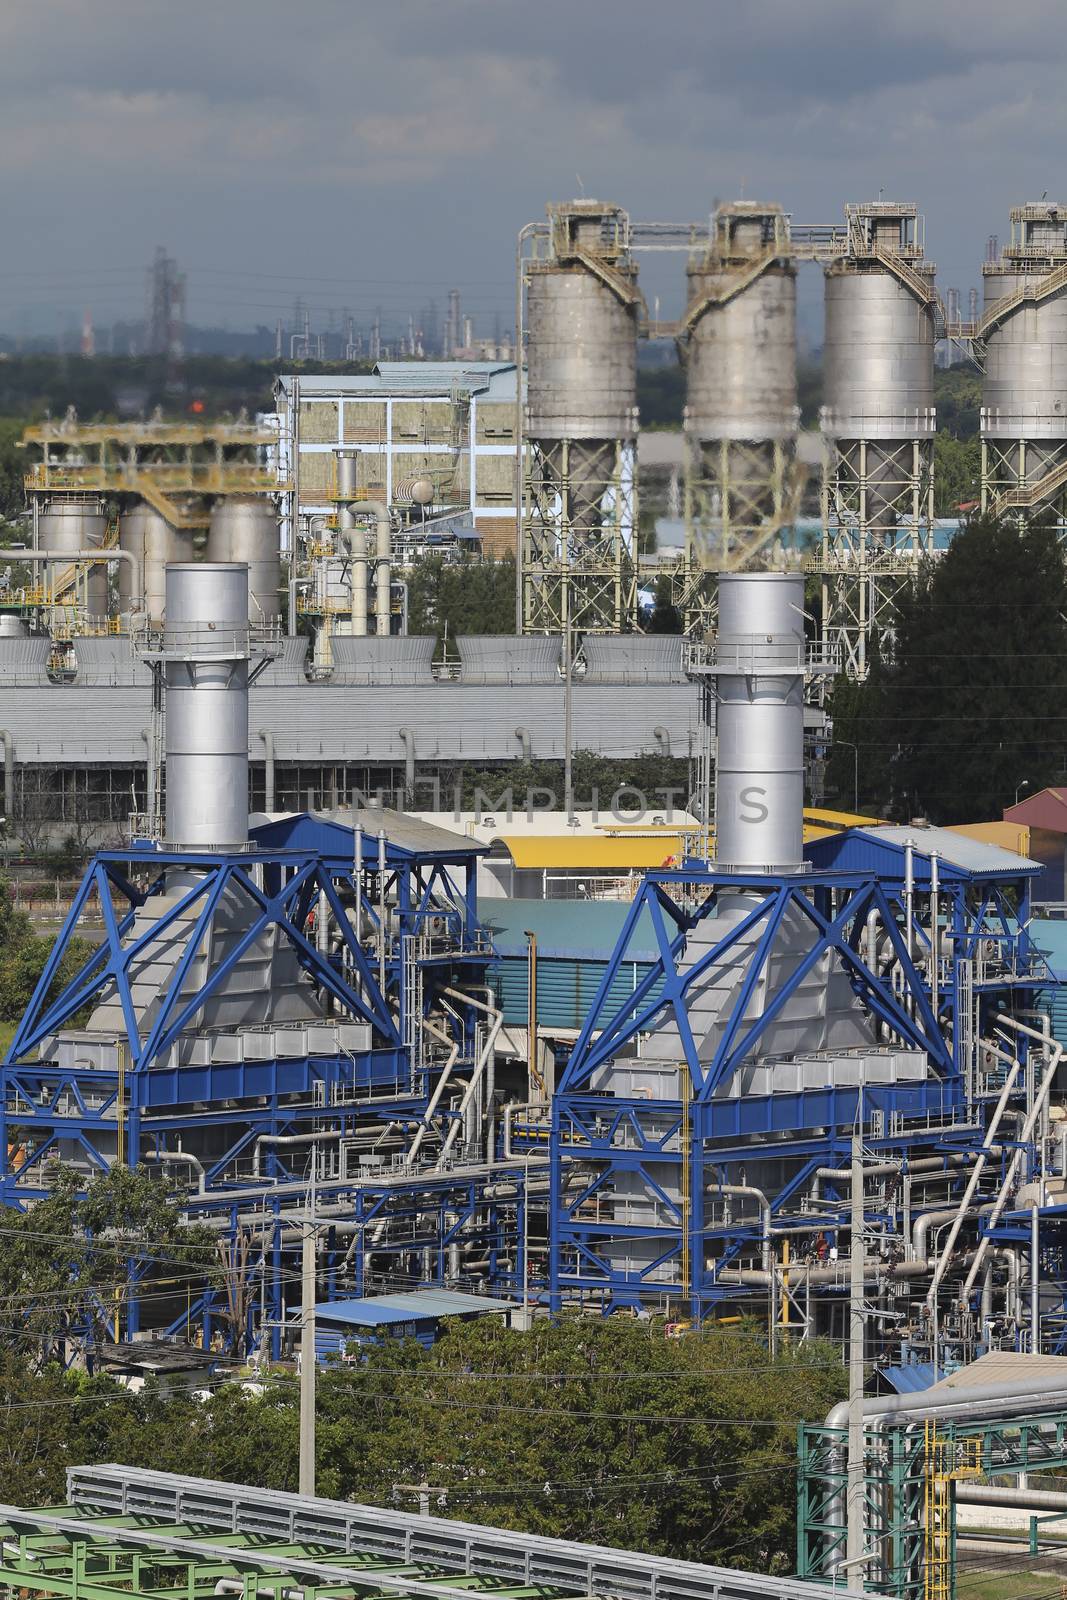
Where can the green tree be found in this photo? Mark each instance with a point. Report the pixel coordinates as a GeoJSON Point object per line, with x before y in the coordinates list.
{"type": "Point", "coordinates": [972, 702]}
{"type": "Point", "coordinates": [66, 1263]}
{"type": "Point", "coordinates": [958, 397]}
{"type": "Point", "coordinates": [665, 618]}
{"type": "Point", "coordinates": [22, 959]}
{"type": "Point", "coordinates": [594, 1429]}
{"type": "Point", "coordinates": [453, 597]}
{"type": "Point", "coordinates": [957, 472]}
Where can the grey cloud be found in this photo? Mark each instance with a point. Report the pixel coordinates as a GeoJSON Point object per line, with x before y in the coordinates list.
{"type": "Point", "coordinates": [404, 139]}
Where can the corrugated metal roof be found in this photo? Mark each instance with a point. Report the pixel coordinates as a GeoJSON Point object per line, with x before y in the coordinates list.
{"type": "Point", "coordinates": [882, 850]}
{"type": "Point", "coordinates": [377, 1310]}
{"type": "Point", "coordinates": [1003, 1366]}
{"type": "Point", "coordinates": [912, 1379]}
{"type": "Point", "coordinates": [972, 855]}
{"type": "Point", "coordinates": [416, 378]}
{"type": "Point", "coordinates": [295, 829]}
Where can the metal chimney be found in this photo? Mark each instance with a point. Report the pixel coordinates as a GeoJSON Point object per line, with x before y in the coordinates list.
{"type": "Point", "coordinates": [759, 662]}
{"type": "Point", "coordinates": [205, 655]}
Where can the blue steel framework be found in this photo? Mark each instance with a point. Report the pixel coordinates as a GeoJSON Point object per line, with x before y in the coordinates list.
{"type": "Point", "coordinates": [604, 1145]}
{"type": "Point", "coordinates": [152, 1102]}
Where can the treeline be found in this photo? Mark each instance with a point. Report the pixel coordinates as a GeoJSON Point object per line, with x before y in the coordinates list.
{"type": "Point", "coordinates": [108, 387]}
{"type": "Point", "coordinates": [968, 705]}
{"type": "Point", "coordinates": [599, 1430]}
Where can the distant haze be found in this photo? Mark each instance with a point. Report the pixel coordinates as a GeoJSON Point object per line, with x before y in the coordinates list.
{"type": "Point", "coordinates": [369, 154]}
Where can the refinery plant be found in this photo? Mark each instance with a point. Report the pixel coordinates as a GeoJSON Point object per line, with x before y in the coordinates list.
{"type": "Point", "coordinates": [801, 1076]}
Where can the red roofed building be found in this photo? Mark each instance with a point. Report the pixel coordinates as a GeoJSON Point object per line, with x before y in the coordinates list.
{"type": "Point", "coordinates": [1045, 814]}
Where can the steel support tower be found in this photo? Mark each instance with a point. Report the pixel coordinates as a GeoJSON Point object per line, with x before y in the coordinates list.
{"type": "Point", "coordinates": [1021, 342]}
{"type": "Point", "coordinates": [878, 426]}
{"type": "Point", "coordinates": [579, 312]}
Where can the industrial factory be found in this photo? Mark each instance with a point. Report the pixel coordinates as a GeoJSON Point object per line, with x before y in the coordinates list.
{"type": "Point", "coordinates": [794, 1068]}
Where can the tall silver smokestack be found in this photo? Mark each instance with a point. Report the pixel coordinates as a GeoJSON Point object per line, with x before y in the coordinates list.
{"type": "Point", "coordinates": [760, 655]}
{"type": "Point", "coordinates": [205, 654]}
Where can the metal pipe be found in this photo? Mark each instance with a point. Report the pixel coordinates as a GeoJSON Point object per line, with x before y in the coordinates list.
{"type": "Point", "coordinates": [523, 736]}
{"type": "Point", "coordinates": [909, 895]}
{"type": "Point", "coordinates": [663, 739]}
{"type": "Point", "coordinates": [8, 742]}
{"type": "Point", "coordinates": [1024, 1137]}
{"type": "Point", "coordinates": [935, 933]}
{"type": "Point", "coordinates": [151, 774]}
{"type": "Point", "coordinates": [381, 910]}
{"type": "Point", "coordinates": [533, 1065]}
{"type": "Point", "coordinates": [179, 1158]}
{"type": "Point", "coordinates": [268, 769]}
{"type": "Point", "coordinates": [287, 1139]}
{"type": "Point", "coordinates": [972, 1183]}
{"type": "Point", "coordinates": [354, 535]}
{"type": "Point", "coordinates": [136, 577]}
{"type": "Point", "coordinates": [989, 1494]}
{"type": "Point", "coordinates": [435, 1098]}
{"type": "Point", "coordinates": [468, 1094]}
{"type": "Point", "coordinates": [383, 570]}
{"type": "Point", "coordinates": [407, 738]}
{"type": "Point", "coordinates": [1035, 1280]}
{"type": "Point", "coordinates": [746, 1190]}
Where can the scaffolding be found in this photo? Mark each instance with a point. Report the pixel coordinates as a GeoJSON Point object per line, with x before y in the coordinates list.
{"type": "Point", "coordinates": [175, 467]}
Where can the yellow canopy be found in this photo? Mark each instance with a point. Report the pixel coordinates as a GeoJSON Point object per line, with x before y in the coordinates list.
{"type": "Point", "coordinates": [597, 852]}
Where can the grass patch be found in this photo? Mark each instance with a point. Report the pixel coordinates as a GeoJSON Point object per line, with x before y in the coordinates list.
{"type": "Point", "coordinates": [1014, 1585]}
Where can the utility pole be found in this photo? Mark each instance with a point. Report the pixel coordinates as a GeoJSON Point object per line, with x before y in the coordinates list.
{"type": "Point", "coordinates": [568, 710]}
{"type": "Point", "coordinates": [307, 1358]}
{"type": "Point", "coordinates": [855, 1541]}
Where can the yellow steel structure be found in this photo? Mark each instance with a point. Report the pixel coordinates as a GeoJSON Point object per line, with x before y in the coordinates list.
{"type": "Point", "coordinates": [946, 1461]}
{"type": "Point", "coordinates": [173, 466]}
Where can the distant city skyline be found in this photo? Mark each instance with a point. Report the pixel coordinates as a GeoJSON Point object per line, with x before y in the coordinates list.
{"type": "Point", "coordinates": [377, 156]}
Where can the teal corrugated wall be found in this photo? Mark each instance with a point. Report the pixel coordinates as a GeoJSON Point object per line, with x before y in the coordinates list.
{"type": "Point", "coordinates": [566, 988]}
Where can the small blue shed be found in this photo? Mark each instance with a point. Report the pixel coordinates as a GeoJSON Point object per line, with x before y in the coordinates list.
{"type": "Point", "coordinates": [345, 1326]}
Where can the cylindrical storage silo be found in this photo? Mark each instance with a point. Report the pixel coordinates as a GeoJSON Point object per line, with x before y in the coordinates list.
{"type": "Point", "coordinates": [1024, 382]}
{"type": "Point", "coordinates": [759, 667]}
{"type": "Point", "coordinates": [582, 356]}
{"type": "Point", "coordinates": [878, 423]}
{"type": "Point", "coordinates": [205, 652]}
{"type": "Point", "coordinates": [154, 543]}
{"type": "Point", "coordinates": [878, 355]}
{"type": "Point", "coordinates": [582, 311]}
{"type": "Point", "coordinates": [738, 345]}
{"type": "Point", "coordinates": [64, 527]}
{"type": "Point", "coordinates": [741, 354]}
{"type": "Point", "coordinates": [244, 528]}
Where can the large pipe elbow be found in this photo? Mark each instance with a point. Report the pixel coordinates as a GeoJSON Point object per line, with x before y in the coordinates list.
{"type": "Point", "coordinates": [523, 736]}
{"type": "Point", "coordinates": [663, 739]}
{"type": "Point", "coordinates": [54, 558]}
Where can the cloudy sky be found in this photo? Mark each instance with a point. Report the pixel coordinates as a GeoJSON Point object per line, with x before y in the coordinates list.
{"type": "Point", "coordinates": [367, 151]}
